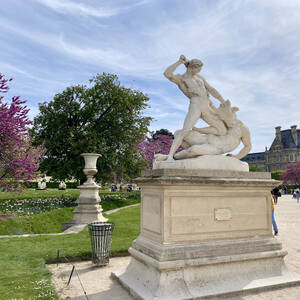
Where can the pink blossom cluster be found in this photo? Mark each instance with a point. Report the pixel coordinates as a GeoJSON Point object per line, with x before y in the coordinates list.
{"type": "Point", "coordinates": [160, 144]}
{"type": "Point", "coordinates": [292, 174]}
{"type": "Point", "coordinates": [19, 160]}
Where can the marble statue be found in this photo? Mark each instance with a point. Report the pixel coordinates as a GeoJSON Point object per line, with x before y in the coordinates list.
{"type": "Point", "coordinates": [205, 218]}
{"type": "Point", "coordinates": [42, 184]}
{"type": "Point", "coordinates": [62, 185]}
{"type": "Point", "coordinates": [196, 143]}
{"type": "Point", "coordinates": [225, 131]}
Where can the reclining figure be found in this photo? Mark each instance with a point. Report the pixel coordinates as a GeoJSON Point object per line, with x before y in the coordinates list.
{"type": "Point", "coordinates": [197, 142]}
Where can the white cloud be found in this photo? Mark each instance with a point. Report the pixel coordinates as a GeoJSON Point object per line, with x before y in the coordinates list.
{"type": "Point", "coordinates": [8, 68]}
{"type": "Point", "coordinates": [250, 51]}
{"type": "Point", "coordinates": [100, 9]}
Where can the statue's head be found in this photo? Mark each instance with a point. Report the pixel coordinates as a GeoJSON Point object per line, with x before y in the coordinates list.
{"type": "Point", "coordinates": [194, 66]}
{"type": "Point", "coordinates": [227, 113]}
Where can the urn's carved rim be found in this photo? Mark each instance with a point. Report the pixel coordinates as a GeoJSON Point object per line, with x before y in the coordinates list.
{"type": "Point", "coordinates": [90, 154]}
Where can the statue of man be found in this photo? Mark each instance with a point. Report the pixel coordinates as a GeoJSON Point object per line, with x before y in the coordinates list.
{"type": "Point", "coordinates": [197, 90]}
{"type": "Point", "coordinates": [196, 143]}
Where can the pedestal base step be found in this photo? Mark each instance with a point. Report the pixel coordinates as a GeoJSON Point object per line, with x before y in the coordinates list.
{"type": "Point", "coordinates": [218, 290]}
{"type": "Point", "coordinates": [205, 278]}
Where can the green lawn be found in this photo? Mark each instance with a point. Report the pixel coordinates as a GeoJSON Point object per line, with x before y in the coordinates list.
{"type": "Point", "coordinates": [52, 221]}
{"type": "Point", "coordinates": [23, 274]}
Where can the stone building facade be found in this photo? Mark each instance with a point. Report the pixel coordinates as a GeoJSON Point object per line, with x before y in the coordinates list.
{"type": "Point", "coordinates": [284, 150]}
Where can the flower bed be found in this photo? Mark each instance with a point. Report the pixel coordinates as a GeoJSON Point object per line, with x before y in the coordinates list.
{"type": "Point", "coordinates": [37, 205]}
{"type": "Point", "coordinates": [120, 196]}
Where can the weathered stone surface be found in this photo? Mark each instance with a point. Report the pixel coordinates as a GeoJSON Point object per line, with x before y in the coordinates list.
{"type": "Point", "coordinates": [225, 131]}
{"type": "Point", "coordinates": [194, 173]}
{"type": "Point", "coordinates": [204, 235]}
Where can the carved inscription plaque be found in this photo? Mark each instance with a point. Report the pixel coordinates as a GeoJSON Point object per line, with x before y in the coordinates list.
{"type": "Point", "coordinates": [223, 214]}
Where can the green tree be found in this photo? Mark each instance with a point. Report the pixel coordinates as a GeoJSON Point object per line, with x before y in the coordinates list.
{"type": "Point", "coordinates": [162, 131]}
{"type": "Point", "coordinates": [277, 174]}
{"type": "Point", "coordinates": [105, 118]}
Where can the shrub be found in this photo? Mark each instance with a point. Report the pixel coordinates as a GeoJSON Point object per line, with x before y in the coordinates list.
{"type": "Point", "coordinates": [254, 169]}
{"type": "Point", "coordinates": [276, 174]}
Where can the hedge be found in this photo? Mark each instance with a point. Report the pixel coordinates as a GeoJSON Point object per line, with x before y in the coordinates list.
{"type": "Point", "coordinates": [50, 185]}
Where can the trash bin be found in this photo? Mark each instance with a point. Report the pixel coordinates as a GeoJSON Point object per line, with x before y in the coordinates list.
{"type": "Point", "coordinates": [100, 234]}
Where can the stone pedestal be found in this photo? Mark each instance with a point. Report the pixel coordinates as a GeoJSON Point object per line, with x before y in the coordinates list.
{"type": "Point", "coordinates": [204, 234]}
{"type": "Point", "coordinates": [88, 209]}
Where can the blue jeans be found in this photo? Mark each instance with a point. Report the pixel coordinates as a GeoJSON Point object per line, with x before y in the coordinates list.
{"type": "Point", "coordinates": [274, 223]}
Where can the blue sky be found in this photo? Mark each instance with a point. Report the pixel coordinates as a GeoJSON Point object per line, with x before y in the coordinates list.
{"type": "Point", "coordinates": [250, 50]}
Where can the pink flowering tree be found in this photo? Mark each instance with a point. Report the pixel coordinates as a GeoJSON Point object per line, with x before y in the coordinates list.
{"type": "Point", "coordinates": [292, 174]}
{"type": "Point", "coordinates": [19, 160]}
{"type": "Point", "coordinates": [159, 144]}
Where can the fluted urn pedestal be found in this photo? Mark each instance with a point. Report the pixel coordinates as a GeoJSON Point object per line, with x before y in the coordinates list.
{"type": "Point", "coordinates": [205, 234]}
{"type": "Point", "coordinates": [88, 210]}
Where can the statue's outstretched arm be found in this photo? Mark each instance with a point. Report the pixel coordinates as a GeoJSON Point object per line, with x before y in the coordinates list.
{"type": "Point", "coordinates": [169, 73]}
{"type": "Point", "coordinates": [213, 91]}
{"type": "Point", "coordinates": [246, 140]}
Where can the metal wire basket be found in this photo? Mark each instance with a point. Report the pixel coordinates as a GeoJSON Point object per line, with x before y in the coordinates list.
{"type": "Point", "coordinates": [101, 235]}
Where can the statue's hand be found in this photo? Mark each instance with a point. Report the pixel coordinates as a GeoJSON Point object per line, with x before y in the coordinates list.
{"type": "Point", "coordinates": [183, 59]}
{"type": "Point", "coordinates": [229, 154]}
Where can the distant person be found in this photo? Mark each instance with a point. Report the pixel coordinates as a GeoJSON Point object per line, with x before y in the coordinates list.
{"type": "Point", "coordinates": [275, 193]}
{"type": "Point", "coordinates": [297, 194]}
{"type": "Point", "coordinates": [284, 189]}
{"type": "Point", "coordinates": [113, 188]}
{"type": "Point", "coordinates": [275, 228]}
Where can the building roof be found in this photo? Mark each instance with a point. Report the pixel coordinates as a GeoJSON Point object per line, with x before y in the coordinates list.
{"type": "Point", "coordinates": [287, 140]}
{"type": "Point", "coordinates": [254, 156]}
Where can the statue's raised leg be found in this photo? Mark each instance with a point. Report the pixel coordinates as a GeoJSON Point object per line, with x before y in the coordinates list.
{"type": "Point", "coordinates": [190, 120]}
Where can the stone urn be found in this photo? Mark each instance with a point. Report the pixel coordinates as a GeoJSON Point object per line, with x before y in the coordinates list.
{"type": "Point", "coordinates": [88, 210]}
{"type": "Point", "coordinates": [90, 168]}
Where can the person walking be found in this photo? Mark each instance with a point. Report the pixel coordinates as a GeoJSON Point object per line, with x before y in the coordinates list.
{"type": "Point", "coordinates": [275, 228]}
{"type": "Point", "coordinates": [297, 194]}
